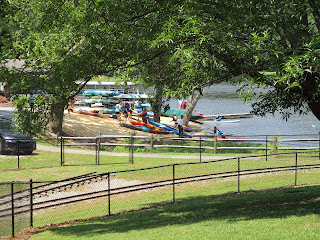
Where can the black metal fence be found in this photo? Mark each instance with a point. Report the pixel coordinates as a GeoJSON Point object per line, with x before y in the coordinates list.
{"type": "Point", "coordinates": [27, 204]}
{"type": "Point", "coordinates": [102, 150]}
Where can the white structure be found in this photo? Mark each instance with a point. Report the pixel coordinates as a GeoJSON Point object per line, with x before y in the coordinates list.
{"type": "Point", "coordinates": [120, 87]}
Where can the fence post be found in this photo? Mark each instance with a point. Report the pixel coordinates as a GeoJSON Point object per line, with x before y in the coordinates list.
{"type": "Point", "coordinates": [296, 170]}
{"type": "Point", "coordinates": [99, 146]}
{"type": "Point", "coordinates": [238, 174]}
{"type": "Point", "coordinates": [266, 147]}
{"type": "Point", "coordinates": [12, 210]}
{"type": "Point", "coordinates": [275, 147]}
{"type": "Point", "coordinates": [31, 204]}
{"type": "Point", "coordinates": [215, 145]}
{"type": "Point", "coordinates": [18, 153]}
{"type": "Point", "coordinates": [96, 151]}
{"type": "Point", "coordinates": [109, 200]}
{"type": "Point", "coordinates": [61, 151]}
{"type": "Point", "coordinates": [151, 142]}
{"type": "Point", "coordinates": [200, 148]}
{"type": "Point", "coordinates": [131, 150]}
{"type": "Point", "coordinates": [173, 184]}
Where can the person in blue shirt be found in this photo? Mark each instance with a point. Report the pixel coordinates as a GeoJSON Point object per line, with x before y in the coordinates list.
{"type": "Point", "coordinates": [218, 117]}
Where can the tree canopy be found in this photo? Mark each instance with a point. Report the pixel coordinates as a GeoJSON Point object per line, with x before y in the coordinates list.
{"type": "Point", "coordinates": [203, 42]}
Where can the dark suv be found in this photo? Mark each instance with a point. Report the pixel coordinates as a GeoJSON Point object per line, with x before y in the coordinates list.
{"type": "Point", "coordinates": [16, 143]}
{"type": "Point", "coordinates": [13, 142]}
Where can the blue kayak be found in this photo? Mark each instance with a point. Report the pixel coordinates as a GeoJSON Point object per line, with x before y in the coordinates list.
{"type": "Point", "coordinates": [168, 128]}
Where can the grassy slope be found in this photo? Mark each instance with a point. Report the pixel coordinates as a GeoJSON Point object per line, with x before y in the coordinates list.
{"type": "Point", "coordinates": [291, 213]}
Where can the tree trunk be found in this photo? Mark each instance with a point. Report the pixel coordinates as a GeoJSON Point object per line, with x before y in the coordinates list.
{"type": "Point", "coordinates": [192, 101]}
{"type": "Point", "coordinates": [157, 101]}
{"type": "Point", "coordinates": [55, 125]}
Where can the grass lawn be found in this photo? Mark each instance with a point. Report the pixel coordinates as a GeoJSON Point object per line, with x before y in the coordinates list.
{"type": "Point", "coordinates": [287, 213]}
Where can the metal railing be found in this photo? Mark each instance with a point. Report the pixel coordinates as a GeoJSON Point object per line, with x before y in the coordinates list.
{"type": "Point", "coordinates": [28, 204]}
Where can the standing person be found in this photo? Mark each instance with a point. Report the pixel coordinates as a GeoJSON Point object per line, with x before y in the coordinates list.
{"type": "Point", "coordinates": [119, 110]}
{"type": "Point", "coordinates": [144, 116]}
{"type": "Point", "coordinates": [130, 111]}
{"type": "Point", "coordinates": [125, 111]}
{"type": "Point", "coordinates": [180, 126]}
{"type": "Point", "coordinates": [31, 101]}
{"type": "Point", "coordinates": [174, 120]}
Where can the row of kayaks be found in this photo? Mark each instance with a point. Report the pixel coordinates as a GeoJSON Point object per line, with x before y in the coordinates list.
{"type": "Point", "coordinates": [154, 127]}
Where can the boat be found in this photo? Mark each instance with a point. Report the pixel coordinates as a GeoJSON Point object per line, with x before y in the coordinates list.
{"type": "Point", "coordinates": [168, 128]}
{"type": "Point", "coordinates": [99, 100]}
{"type": "Point", "coordinates": [159, 131]}
{"type": "Point", "coordinates": [100, 92]}
{"type": "Point", "coordinates": [134, 127]}
{"type": "Point", "coordinates": [141, 124]}
{"type": "Point", "coordinates": [223, 121]}
{"type": "Point", "coordinates": [179, 112]}
{"type": "Point", "coordinates": [188, 129]}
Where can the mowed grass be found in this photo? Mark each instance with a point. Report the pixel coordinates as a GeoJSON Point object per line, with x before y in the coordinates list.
{"type": "Point", "coordinates": [287, 213]}
{"type": "Point", "coordinates": [45, 166]}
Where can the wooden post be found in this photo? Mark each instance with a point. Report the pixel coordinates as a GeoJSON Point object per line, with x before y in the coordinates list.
{"type": "Point", "coordinates": [151, 143]}
{"type": "Point", "coordinates": [275, 147]}
{"type": "Point", "coordinates": [215, 145]}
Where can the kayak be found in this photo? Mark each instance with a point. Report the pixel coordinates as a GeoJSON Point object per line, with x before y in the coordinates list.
{"type": "Point", "coordinates": [179, 112]}
{"type": "Point", "coordinates": [100, 92]}
{"type": "Point", "coordinates": [223, 121]}
{"type": "Point", "coordinates": [188, 129]}
{"type": "Point", "coordinates": [104, 101]}
{"type": "Point", "coordinates": [97, 109]}
{"type": "Point", "coordinates": [157, 131]}
{"type": "Point", "coordinates": [168, 128]}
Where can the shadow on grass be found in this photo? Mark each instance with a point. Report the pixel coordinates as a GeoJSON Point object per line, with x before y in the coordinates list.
{"type": "Point", "coordinates": [268, 204]}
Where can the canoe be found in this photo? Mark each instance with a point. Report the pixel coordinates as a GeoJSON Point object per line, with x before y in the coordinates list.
{"type": "Point", "coordinates": [179, 112]}
{"type": "Point", "coordinates": [168, 128]}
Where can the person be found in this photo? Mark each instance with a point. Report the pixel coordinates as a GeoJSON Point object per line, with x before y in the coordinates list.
{"type": "Point", "coordinates": [126, 111]}
{"type": "Point", "coordinates": [174, 120]}
{"type": "Point", "coordinates": [144, 116]}
{"type": "Point", "coordinates": [119, 110]}
{"type": "Point", "coordinates": [217, 132]}
{"type": "Point", "coordinates": [180, 126]}
{"type": "Point", "coordinates": [130, 112]}
{"type": "Point", "coordinates": [31, 101]}
{"type": "Point", "coordinates": [218, 117]}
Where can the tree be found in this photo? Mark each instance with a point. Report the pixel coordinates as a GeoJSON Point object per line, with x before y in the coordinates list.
{"type": "Point", "coordinates": [250, 38]}
{"type": "Point", "coordinates": [69, 41]}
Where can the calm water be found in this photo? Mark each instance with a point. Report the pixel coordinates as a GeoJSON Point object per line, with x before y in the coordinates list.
{"type": "Point", "coordinates": [223, 98]}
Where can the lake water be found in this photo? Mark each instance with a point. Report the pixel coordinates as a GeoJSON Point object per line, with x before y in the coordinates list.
{"type": "Point", "coordinates": [223, 98]}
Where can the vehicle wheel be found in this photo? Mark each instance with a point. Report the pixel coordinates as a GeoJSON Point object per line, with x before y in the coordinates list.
{"type": "Point", "coordinates": [28, 152]}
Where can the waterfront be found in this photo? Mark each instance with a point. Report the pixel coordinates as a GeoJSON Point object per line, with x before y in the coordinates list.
{"type": "Point", "coordinates": [223, 98]}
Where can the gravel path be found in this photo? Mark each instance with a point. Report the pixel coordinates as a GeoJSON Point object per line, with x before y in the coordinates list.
{"type": "Point", "coordinates": [147, 155]}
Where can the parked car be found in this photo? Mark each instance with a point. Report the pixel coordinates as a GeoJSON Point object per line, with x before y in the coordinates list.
{"type": "Point", "coordinates": [12, 142]}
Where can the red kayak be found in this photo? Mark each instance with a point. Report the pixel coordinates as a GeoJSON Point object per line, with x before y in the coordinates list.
{"type": "Point", "coordinates": [157, 131]}
{"type": "Point", "coordinates": [140, 123]}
